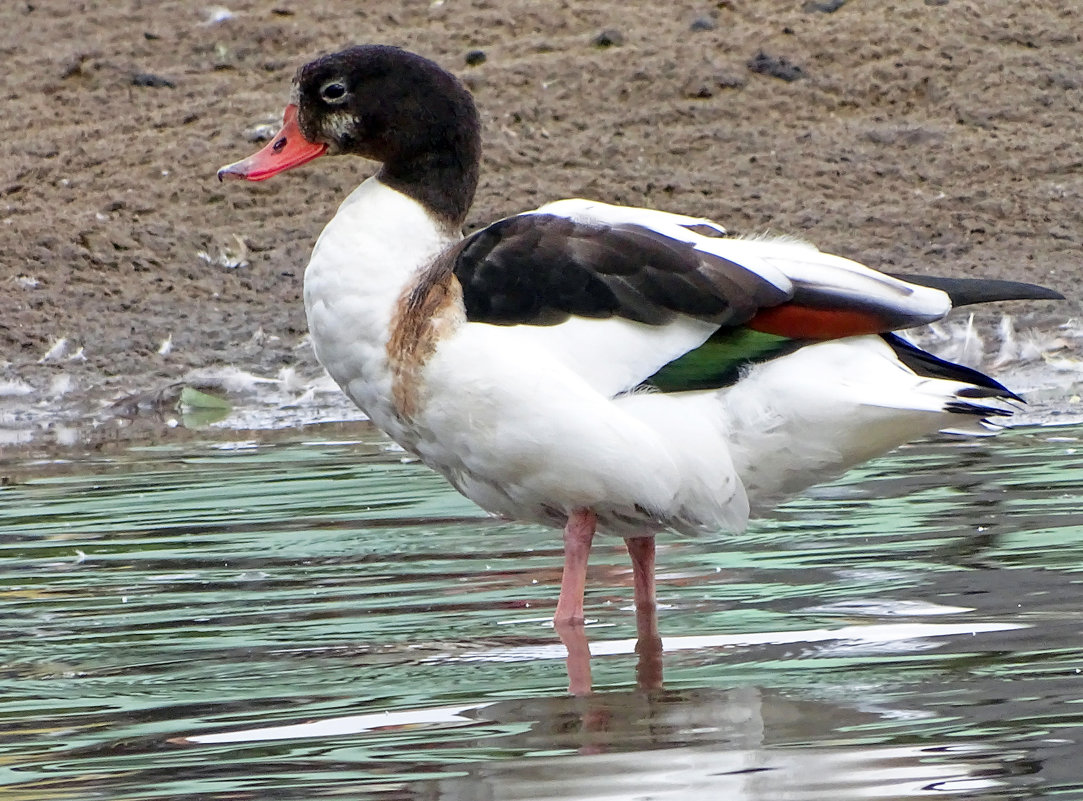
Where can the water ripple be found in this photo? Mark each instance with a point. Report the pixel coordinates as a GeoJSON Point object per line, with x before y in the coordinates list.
{"type": "Point", "coordinates": [318, 619]}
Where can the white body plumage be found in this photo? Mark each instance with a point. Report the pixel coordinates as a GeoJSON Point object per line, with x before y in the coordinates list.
{"type": "Point", "coordinates": [534, 422]}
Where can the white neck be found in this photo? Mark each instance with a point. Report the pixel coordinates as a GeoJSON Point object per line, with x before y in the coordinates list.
{"type": "Point", "coordinates": [363, 262]}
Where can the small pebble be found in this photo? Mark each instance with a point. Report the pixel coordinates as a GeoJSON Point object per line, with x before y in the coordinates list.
{"type": "Point", "coordinates": [697, 89]}
{"type": "Point", "coordinates": [150, 79]}
{"type": "Point", "coordinates": [703, 24]}
{"type": "Point", "coordinates": [823, 6]}
{"type": "Point", "coordinates": [775, 66]}
{"type": "Point", "coordinates": [610, 37]}
{"type": "Point", "coordinates": [475, 57]}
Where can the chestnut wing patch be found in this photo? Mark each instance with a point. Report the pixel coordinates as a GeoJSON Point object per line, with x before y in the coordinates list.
{"type": "Point", "coordinates": [540, 269]}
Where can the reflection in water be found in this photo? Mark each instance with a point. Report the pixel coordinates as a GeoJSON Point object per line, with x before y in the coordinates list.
{"type": "Point", "coordinates": [737, 744]}
{"type": "Point", "coordinates": [320, 620]}
{"type": "Point", "coordinates": [741, 743]}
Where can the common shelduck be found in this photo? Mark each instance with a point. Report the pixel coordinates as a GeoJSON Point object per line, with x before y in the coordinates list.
{"type": "Point", "coordinates": [589, 366]}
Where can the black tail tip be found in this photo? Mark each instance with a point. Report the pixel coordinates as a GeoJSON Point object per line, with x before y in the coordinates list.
{"type": "Point", "coordinates": [967, 291]}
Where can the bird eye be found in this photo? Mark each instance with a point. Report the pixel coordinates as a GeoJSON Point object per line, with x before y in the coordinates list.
{"type": "Point", "coordinates": [333, 92]}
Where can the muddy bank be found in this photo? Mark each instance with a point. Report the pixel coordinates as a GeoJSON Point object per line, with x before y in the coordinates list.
{"type": "Point", "coordinates": [931, 137]}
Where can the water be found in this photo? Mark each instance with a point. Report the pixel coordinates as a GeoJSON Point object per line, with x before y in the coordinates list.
{"type": "Point", "coordinates": [323, 620]}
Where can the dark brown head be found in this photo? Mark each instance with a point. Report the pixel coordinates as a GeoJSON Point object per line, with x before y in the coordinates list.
{"type": "Point", "coordinates": [385, 104]}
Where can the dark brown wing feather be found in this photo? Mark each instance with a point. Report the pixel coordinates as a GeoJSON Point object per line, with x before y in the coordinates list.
{"type": "Point", "coordinates": [539, 269]}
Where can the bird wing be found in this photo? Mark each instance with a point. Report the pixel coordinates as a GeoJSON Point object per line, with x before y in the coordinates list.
{"type": "Point", "coordinates": [619, 293]}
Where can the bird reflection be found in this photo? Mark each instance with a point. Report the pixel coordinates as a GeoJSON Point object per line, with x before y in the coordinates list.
{"type": "Point", "coordinates": [648, 650]}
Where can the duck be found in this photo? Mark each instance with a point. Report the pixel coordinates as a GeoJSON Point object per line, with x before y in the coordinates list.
{"type": "Point", "coordinates": [592, 367]}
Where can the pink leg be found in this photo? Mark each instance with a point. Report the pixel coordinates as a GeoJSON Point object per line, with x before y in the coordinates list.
{"type": "Point", "coordinates": [648, 643]}
{"type": "Point", "coordinates": [578, 535]}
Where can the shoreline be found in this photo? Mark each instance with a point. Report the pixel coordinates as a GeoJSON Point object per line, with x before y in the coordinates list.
{"type": "Point", "coordinates": [1036, 358]}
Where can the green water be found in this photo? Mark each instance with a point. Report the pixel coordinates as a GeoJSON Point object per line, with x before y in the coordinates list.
{"type": "Point", "coordinates": [310, 619]}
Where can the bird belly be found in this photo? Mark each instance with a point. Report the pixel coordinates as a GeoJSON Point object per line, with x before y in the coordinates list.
{"type": "Point", "coordinates": [525, 436]}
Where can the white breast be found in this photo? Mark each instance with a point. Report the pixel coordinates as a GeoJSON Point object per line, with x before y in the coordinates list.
{"type": "Point", "coordinates": [364, 260]}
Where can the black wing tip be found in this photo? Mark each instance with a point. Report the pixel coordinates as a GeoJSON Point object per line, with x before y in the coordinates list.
{"type": "Point", "coordinates": [924, 363]}
{"type": "Point", "coordinates": [989, 392]}
{"type": "Point", "coordinates": [976, 409]}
